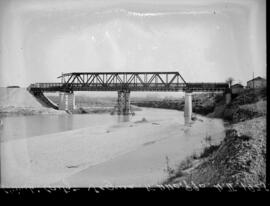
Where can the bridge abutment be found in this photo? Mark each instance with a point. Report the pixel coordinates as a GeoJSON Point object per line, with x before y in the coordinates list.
{"type": "Point", "coordinates": [188, 107]}
{"type": "Point", "coordinates": [66, 101]}
{"type": "Point", "coordinates": [123, 102]}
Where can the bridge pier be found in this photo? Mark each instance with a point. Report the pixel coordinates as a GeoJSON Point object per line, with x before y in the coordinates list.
{"type": "Point", "coordinates": [66, 101]}
{"type": "Point", "coordinates": [228, 96]}
{"type": "Point", "coordinates": [123, 102]}
{"type": "Point", "coordinates": [188, 107]}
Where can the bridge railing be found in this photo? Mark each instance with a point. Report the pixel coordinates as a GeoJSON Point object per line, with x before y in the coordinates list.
{"type": "Point", "coordinates": [111, 85]}
{"type": "Point", "coordinates": [207, 86]}
{"type": "Point", "coordinates": [46, 85]}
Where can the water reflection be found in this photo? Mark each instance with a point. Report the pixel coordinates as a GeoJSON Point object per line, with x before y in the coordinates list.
{"type": "Point", "coordinates": [28, 126]}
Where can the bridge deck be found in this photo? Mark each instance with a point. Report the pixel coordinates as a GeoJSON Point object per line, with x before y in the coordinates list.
{"type": "Point", "coordinates": [132, 81]}
{"type": "Point", "coordinates": [54, 87]}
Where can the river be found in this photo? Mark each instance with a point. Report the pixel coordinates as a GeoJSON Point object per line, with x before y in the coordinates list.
{"type": "Point", "coordinates": [99, 149]}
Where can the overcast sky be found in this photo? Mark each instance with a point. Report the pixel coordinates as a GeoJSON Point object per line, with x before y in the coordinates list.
{"type": "Point", "coordinates": [205, 40]}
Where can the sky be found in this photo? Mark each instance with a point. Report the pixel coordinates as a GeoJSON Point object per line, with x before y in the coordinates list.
{"type": "Point", "coordinates": [204, 40]}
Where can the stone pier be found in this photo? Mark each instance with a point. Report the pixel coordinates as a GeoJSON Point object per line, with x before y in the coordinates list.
{"type": "Point", "coordinates": [123, 102]}
{"type": "Point", "coordinates": [228, 96]}
{"type": "Point", "coordinates": [188, 107]}
{"type": "Point", "coordinates": [66, 101]}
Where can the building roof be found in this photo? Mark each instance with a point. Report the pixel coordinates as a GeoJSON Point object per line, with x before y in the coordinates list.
{"type": "Point", "coordinates": [237, 85]}
{"type": "Point", "coordinates": [257, 78]}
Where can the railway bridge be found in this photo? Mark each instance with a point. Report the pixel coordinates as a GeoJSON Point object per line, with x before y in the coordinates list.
{"type": "Point", "coordinates": [123, 83]}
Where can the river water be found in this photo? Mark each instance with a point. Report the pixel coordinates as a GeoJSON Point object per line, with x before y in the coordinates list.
{"type": "Point", "coordinates": [19, 127]}
{"type": "Point", "coordinates": [85, 150]}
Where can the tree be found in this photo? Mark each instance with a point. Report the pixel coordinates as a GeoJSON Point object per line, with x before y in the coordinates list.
{"type": "Point", "coordinates": [230, 81]}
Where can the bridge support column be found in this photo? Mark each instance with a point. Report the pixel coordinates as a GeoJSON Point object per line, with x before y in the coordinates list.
{"type": "Point", "coordinates": [228, 96]}
{"type": "Point", "coordinates": [123, 103]}
{"type": "Point", "coordinates": [66, 101]}
{"type": "Point", "coordinates": [188, 107]}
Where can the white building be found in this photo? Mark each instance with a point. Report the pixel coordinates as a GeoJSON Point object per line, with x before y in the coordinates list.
{"type": "Point", "coordinates": [257, 82]}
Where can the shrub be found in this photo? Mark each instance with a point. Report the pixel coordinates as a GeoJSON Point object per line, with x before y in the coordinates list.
{"type": "Point", "coordinates": [195, 156]}
{"type": "Point", "coordinates": [209, 150]}
{"type": "Point", "coordinates": [245, 137]}
{"type": "Point", "coordinates": [186, 164]}
{"type": "Point", "coordinates": [169, 170]}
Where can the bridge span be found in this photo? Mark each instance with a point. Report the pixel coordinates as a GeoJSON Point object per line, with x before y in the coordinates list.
{"type": "Point", "coordinates": [123, 83]}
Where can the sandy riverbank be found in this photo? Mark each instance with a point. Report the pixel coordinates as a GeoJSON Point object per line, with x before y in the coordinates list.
{"type": "Point", "coordinates": [130, 153]}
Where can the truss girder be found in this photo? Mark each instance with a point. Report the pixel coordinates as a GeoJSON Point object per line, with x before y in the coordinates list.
{"type": "Point", "coordinates": [130, 81]}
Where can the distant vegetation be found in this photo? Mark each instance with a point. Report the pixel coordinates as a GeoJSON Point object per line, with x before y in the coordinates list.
{"type": "Point", "coordinates": [202, 103]}
{"type": "Point", "coordinates": [88, 104]}
{"type": "Point", "coordinates": [230, 80]}
{"type": "Point", "coordinates": [87, 101]}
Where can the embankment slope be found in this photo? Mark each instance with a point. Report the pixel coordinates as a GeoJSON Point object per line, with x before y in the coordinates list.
{"type": "Point", "coordinates": [240, 159]}
{"type": "Point", "coordinates": [18, 101]}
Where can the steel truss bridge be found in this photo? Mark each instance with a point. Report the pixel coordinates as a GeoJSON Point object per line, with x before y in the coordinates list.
{"type": "Point", "coordinates": [125, 81]}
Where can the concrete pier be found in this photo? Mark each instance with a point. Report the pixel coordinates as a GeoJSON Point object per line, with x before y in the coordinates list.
{"type": "Point", "coordinates": [228, 97]}
{"type": "Point", "coordinates": [66, 101]}
{"type": "Point", "coordinates": [188, 107]}
{"type": "Point", "coordinates": [123, 103]}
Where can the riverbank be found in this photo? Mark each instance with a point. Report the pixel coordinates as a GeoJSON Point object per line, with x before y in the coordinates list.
{"type": "Point", "coordinates": [146, 165]}
{"type": "Point", "coordinates": [107, 152]}
{"type": "Point", "coordinates": [240, 159]}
